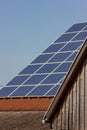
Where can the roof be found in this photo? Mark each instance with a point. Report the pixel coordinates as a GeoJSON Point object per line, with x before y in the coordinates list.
{"type": "Point", "coordinates": [70, 76]}
{"type": "Point", "coordinates": [45, 75]}
{"type": "Point", "coordinates": [25, 104]}
{"type": "Point", "coordinates": [22, 120]}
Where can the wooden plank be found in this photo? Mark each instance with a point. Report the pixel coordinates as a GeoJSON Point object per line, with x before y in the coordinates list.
{"type": "Point", "coordinates": [74, 106]}
{"type": "Point", "coordinates": [77, 104]}
{"type": "Point", "coordinates": [63, 115]}
{"type": "Point", "coordinates": [73, 113]}
{"type": "Point", "coordinates": [67, 112]}
{"type": "Point", "coordinates": [85, 73]}
{"type": "Point", "coordinates": [70, 111]}
{"type": "Point", "coordinates": [82, 99]}
{"type": "Point", "coordinates": [62, 118]}
{"type": "Point", "coordinates": [59, 122]}
{"type": "Point", "coordinates": [54, 123]}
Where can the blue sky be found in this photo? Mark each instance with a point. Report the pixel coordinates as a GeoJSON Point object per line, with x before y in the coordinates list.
{"type": "Point", "coordinates": [27, 27]}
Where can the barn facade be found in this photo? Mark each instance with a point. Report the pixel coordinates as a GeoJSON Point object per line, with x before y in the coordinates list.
{"type": "Point", "coordinates": [68, 110]}
{"type": "Point", "coordinates": [37, 84]}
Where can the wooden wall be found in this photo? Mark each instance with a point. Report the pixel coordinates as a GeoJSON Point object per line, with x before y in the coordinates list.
{"type": "Point", "coordinates": [73, 111]}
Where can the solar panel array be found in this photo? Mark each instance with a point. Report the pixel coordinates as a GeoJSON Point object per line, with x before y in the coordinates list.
{"type": "Point", "coordinates": [45, 75]}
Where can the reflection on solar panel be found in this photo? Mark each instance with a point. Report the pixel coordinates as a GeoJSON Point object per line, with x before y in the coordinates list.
{"type": "Point", "coordinates": [85, 28]}
{"type": "Point", "coordinates": [45, 75]}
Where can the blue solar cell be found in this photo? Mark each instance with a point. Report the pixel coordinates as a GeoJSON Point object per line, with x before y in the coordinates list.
{"type": "Point", "coordinates": [6, 91]}
{"type": "Point", "coordinates": [53, 91]}
{"type": "Point", "coordinates": [71, 46]}
{"type": "Point", "coordinates": [53, 78]}
{"type": "Point", "coordinates": [63, 67]}
{"type": "Point", "coordinates": [60, 57]}
{"type": "Point", "coordinates": [85, 28]}
{"type": "Point", "coordinates": [47, 68]}
{"type": "Point", "coordinates": [30, 69]}
{"type": "Point", "coordinates": [22, 91]}
{"type": "Point", "coordinates": [40, 90]}
{"type": "Point", "coordinates": [77, 27]}
{"type": "Point", "coordinates": [80, 36]}
{"type": "Point", "coordinates": [42, 58]}
{"type": "Point", "coordinates": [35, 79]}
{"type": "Point", "coordinates": [72, 57]}
{"type": "Point", "coordinates": [65, 37]}
{"type": "Point", "coordinates": [18, 80]}
{"type": "Point", "coordinates": [54, 48]}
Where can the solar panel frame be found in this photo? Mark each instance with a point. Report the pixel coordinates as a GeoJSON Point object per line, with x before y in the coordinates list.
{"type": "Point", "coordinates": [35, 79]}
{"type": "Point", "coordinates": [60, 57]}
{"type": "Point", "coordinates": [53, 78]}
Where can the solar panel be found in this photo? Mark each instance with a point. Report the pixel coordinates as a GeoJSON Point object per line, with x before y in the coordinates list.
{"type": "Point", "coordinates": [60, 57]}
{"type": "Point", "coordinates": [42, 58]}
{"type": "Point", "coordinates": [71, 46]}
{"type": "Point", "coordinates": [53, 78]}
{"type": "Point", "coordinates": [65, 37]}
{"type": "Point", "coordinates": [81, 36]}
{"type": "Point", "coordinates": [48, 68]}
{"type": "Point", "coordinates": [53, 91]}
{"type": "Point", "coordinates": [53, 48]}
{"type": "Point", "coordinates": [40, 90]}
{"type": "Point", "coordinates": [63, 67]}
{"type": "Point", "coordinates": [77, 27]}
{"type": "Point", "coordinates": [5, 91]}
{"type": "Point", "coordinates": [45, 75]}
{"type": "Point", "coordinates": [18, 80]}
{"type": "Point", "coordinates": [30, 69]}
{"type": "Point", "coordinates": [22, 91]}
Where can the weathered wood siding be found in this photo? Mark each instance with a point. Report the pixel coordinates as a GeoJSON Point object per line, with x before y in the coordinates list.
{"type": "Point", "coordinates": [73, 112]}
